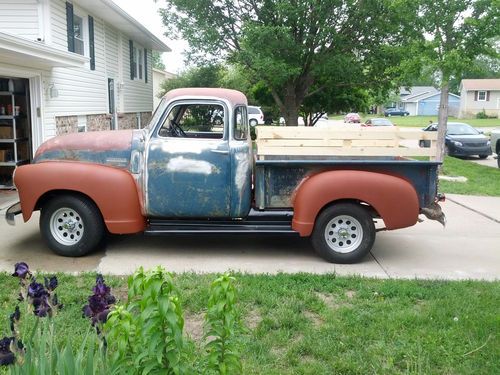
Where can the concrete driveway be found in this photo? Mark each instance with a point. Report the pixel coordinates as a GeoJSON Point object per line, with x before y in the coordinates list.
{"type": "Point", "coordinates": [469, 248]}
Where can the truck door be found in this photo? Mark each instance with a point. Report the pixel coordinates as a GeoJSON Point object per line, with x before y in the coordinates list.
{"type": "Point", "coordinates": [188, 162]}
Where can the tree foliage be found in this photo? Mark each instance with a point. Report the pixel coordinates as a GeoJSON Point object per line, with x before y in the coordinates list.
{"type": "Point", "coordinates": [456, 33]}
{"type": "Point", "coordinates": [157, 62]}
{"type": "Point", "coordinates": [297, 48]}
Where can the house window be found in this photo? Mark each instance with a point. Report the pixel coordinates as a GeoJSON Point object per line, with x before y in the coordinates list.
{"type": "Point", "coordinates": [137, 62]}
{"type": "Point", "coordinates": [481, 96]}
{"type": "Point", "coordinates": [78, 34]}
{"type": "Point", "coordinates": [82, 124]}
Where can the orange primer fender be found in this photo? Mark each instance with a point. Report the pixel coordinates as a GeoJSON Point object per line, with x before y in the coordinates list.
{"type": "Point", "coordinates": [113, 190]}
{"type": "Point", "coordinates": [394, 198]}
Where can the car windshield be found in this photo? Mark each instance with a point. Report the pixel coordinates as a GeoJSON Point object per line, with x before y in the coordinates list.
{"type": "Point", "coordinates": [381, 122]}
{"type": "Point", "coordinates": [461, 129]}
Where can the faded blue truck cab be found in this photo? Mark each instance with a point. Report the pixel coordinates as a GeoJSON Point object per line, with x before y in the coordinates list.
{"type": "Point", "coordinates": [197, 156]}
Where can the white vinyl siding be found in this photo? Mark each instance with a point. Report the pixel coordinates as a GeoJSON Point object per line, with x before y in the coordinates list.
{"type": "Point", "coordinates": [137, 95]}
{"type": "Point", "coordinates": [58, 24]}
{"type": "Point", "coordinates": [20, 18]}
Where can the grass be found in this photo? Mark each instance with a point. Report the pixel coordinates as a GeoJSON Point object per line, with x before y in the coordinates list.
{"type": "Point", "coordinates": [323, 324]}
{"type": "Point", "coordinates": [481, 180]}
{"type": "Point", "coordinates": [421, 121]}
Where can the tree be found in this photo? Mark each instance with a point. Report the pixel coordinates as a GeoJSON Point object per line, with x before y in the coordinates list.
{"type": "Point", "coordinates": [289, 45]}
{"type": "Point", "coordinates": [457, 31]}
{"type": "Point", "coordinates": [205, 76]}
{"type": "Point", "coordinates": [157, 62]}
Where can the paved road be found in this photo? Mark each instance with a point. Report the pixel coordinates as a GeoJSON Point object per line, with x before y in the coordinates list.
{"type": "Point", "coordinates": [469, 248]}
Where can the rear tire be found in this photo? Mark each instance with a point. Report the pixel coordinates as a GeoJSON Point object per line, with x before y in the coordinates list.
{"type": "Point", "coordinates": [72, 226]}
{"type": "Point", "coordinates": [343, 233]}
{"type": "Point", "coordinates": [483, 156]}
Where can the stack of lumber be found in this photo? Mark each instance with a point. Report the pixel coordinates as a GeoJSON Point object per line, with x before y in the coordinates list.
{"type": "Point", "coordinates": [344, 140]}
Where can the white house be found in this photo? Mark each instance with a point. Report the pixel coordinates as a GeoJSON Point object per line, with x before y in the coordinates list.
{"type": "Point", "coordinates": [68, 66]}
{"type": "Point", "coordinates": [159, 76]}
{"type": "Point", "coordinates": [479, 95]}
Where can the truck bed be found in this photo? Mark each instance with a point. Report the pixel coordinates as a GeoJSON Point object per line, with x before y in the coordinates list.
{"type": "Point", "coordinates": [277, 177]}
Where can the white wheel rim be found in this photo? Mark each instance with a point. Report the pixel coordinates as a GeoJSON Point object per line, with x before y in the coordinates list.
{"type": "Point", "coordinates": [66, 226]}
{"type": "Point", "coordinates": [343, 234]}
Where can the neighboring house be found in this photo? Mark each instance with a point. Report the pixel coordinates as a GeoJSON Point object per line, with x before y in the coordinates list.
{"type": "Point", "coordinates": [479, 95]}
{"type": "Point", "coordinates": [159, 76]}
{"type": "Point", "coordinates": [68, 66]}
{"type": "Point", "coordinates": [424, 101]}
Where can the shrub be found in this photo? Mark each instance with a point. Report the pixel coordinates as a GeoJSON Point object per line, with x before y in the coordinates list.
{"type": "Point", "coordinates": [481, 115]}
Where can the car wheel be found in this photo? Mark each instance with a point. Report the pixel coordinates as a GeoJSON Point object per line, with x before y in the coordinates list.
{"type": "Point", "coordinates": [389, 115]}
{"type": "Point", "coordinates": [72, 225]}
{"type": "Point", "coordinates": [343, 233]}
{"type": "Point", "coordinates": [253, 122]}
{"type": "Point", "coordinates": [483, 156]}
{"type": "Point", "coordinates": [405, 114]}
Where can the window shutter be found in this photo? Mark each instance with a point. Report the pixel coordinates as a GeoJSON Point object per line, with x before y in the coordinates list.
{"type": "Point", "coordinates": [70, 27]}
{"type": "Point", "coordinates": [475, 96]}
{"type": "Point", "coordinates": [145, 65]}
{"type": "Point", "coordinates": [487, 96]}
{"type": "Point", "coordinates": [91, 43]}
{"type": "Point", "coordinates": [132, 62]}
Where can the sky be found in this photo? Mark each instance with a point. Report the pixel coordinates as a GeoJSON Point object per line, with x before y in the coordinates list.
{"type": "Point", "coordinates": [146, 12]}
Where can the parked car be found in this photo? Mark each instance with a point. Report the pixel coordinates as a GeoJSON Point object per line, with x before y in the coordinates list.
{"type": "Point", "coordinates": [462, 140]}
{"type": "Point", "coordinates": [377, 122]}
{"type": "Point", "coordinates": [255, 116]}
{"type": "Point", "coordinates": [495, 143]}
{"type": "Point", "coordinates": [395, 112]}
{"type": "Point", "coordinates": [352, 118]}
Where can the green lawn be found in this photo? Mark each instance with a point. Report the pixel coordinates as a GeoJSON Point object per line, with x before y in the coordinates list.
{"type": "Point", "coordinates": [421, 121]}
{"type": "Point", "coordinates": [482, 180]}
{"type": "Point", "coordinates": [312, 324]}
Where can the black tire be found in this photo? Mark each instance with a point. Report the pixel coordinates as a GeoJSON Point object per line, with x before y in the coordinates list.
{"type": "Point", "coordinates": [353, 243]}
{"type": "Point", "coordinates": [253, 122]}
{"type": "Point", "coordinates": [483, 156]}
{"type": "Point", "coordinates": [72, 226]}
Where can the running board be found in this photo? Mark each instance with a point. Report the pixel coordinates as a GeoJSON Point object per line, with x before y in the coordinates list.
{"type": "Point", "coordinates": [256, 222]}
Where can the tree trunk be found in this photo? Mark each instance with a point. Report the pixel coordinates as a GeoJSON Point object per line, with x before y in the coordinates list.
{"type": "Point", "coordinates": [290, 108]}
{"type": "Point", "coordinates": [442, 119]}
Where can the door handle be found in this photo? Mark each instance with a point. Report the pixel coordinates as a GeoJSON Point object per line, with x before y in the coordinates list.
{"type": "Point", "coordinates": [224, 152]}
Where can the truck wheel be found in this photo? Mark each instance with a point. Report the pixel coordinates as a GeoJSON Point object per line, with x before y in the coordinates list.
{"type": "Point", "coordinates": [72, 226]}
{"type": "Point", "coordinates": [343, 233]}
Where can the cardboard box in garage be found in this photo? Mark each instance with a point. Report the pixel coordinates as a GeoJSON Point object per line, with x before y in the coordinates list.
{"type": "Point", "coordinates": [5, 132]}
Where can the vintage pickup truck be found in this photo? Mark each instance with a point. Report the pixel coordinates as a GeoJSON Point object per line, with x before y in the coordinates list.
{"type": "Point", "coordinates": [190, 172]}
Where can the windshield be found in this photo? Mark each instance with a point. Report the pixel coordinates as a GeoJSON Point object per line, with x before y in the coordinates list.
{"type": "Point", "coordinates": [381, 122]}
{"type": "Point", "coordinates": [461, 129]}
{"type": "Point", "coordinates": [157, 113]}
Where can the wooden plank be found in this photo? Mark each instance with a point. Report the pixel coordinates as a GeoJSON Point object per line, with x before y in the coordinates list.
{"type": "Point", "coordinates": [342, 151]}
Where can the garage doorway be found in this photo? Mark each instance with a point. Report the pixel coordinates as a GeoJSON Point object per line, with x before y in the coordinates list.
{"type": "Point", "coordinates": [15, 127]}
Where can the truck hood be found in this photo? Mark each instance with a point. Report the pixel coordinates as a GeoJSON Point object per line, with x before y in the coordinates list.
{"type": "Point", "coordinates": [101, 147]}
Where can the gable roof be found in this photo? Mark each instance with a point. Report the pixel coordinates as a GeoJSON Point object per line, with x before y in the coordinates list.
{"type": "Point", "coordinates": [437, 93]}
{"type": "Point", "coordinates": [416, 90]}
{"type": "Point", "coordinates": [121, 20]}
{"type": "Point", "coordinates": [480, 84]}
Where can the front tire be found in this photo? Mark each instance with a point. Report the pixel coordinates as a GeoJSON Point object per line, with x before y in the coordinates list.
{"type": "Point", "coordinates": [483, 156]}
{"type": "Point", "coordinates": [343, 233]}
{"type": "Point", "coordinates": [71, 226]}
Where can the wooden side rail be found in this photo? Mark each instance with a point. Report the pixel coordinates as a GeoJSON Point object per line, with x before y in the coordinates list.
{"type": "Point", "coordinates": [344, 140]}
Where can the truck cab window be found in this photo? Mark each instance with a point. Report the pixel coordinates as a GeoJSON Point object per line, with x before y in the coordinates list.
{"type": "Point", "coordinates": [240, 130]}
{"type": "Point", "coordinates": [194, 121]}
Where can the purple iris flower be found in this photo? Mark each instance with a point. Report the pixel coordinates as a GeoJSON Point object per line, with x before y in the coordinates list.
{"type": "Point", "coordinates": [6, 355]}
{"type": "Point", "coordinates": [21, 270]}
{"type": "Point", "coordinates": [99, 303]}
{"type": "Point", "coordinates": [41, 307]}
{"type": "Point", "coordinates": [36, 290]}
{"type": "Point", "coordinates": [51, 283]}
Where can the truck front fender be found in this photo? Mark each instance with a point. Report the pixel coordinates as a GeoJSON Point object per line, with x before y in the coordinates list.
{"type": "Point", "coordinates": [113, 190]}
{"type": "Point", "coordinates": [393, 198]}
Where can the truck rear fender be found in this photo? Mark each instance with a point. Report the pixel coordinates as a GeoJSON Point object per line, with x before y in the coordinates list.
{"type": "Point", "coordinates": [113, 190]}
{"type": "Point", "coordinates": [394, 199]}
